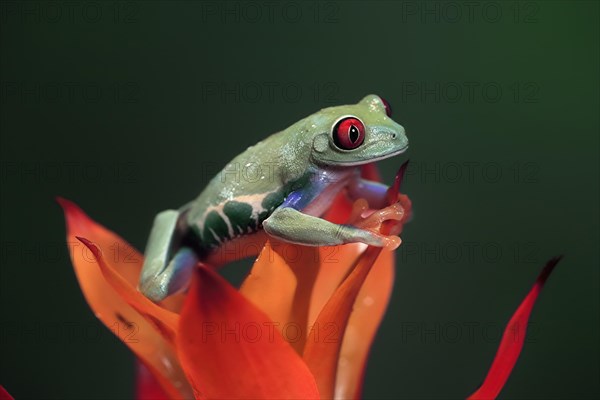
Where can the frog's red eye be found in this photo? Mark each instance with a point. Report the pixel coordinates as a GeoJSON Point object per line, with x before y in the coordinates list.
{"type": "Point", "coordinates": [388, 107]}
{"type": "Point", "coordinates": [349, 133]}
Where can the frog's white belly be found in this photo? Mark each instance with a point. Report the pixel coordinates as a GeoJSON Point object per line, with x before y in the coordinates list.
{"type": "Point", "coordinates": [323, 201]}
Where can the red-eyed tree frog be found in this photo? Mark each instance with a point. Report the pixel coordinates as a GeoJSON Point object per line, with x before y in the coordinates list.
{"type": "Point", "coordinates": [279, 187]}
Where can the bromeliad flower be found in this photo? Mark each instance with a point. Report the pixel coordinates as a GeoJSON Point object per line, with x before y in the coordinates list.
{"type": "Point", "coordinates": [300, 326]}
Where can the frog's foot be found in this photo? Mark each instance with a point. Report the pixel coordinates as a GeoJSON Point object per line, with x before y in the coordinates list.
{"type": "Point", "coordinates": [374, 221]}
{"type": "Point", "coordinates": [167, 265]}
{"type": "Point", "coordinates": [172, 279]}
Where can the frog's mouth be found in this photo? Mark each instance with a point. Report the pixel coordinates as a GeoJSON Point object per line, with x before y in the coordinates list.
{"type": "Point", "coordinates": [371, 160]}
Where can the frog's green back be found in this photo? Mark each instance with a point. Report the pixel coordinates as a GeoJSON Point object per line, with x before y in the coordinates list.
{"type": "Point", "coordinates": [249, 188]}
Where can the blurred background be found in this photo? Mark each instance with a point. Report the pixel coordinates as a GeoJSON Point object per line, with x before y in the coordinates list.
{"type": "Point", "coordinates": [128, 108]}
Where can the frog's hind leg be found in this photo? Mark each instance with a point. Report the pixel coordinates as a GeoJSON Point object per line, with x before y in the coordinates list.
{"type": "Point", "coordinates": [174, 278]}
{"type": "Point", "coordinates": [167, 266]}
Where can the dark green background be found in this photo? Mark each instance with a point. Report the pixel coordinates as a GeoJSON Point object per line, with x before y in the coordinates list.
{"type": "Point", "coordinates": [133, 130]}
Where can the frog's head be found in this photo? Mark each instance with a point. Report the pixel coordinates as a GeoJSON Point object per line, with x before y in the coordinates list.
{"type": "Point", "coordinates": [356, 134]}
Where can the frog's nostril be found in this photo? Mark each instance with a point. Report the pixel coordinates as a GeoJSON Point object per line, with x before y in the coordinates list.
{"type": "Point", "coordinates": [393, 136]}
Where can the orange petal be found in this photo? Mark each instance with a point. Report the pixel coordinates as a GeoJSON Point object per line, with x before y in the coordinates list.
{"type": "Point", "coordinates": [114, 312]}
{"type": "Point", "coordinates": [146, 386]}
{"type": "Point", "coordinates": [369, 309]}
{"type": "Point", "coordinates": [336, 260]}
{"type": "Point", "coordinates": [163, 320]}
{"type": "Point", "coordinates": [230, 349]}
{"type": "Point", "coordinates": [512, 340]}
{"type": "Point", "coordinates": [339, 259]}
{"type": "Point", "coordinates": [281, 283]}
{"type": "Point", "coordinates": [323, 345]}
{"type": "Point", "coordinates": [356, 310]}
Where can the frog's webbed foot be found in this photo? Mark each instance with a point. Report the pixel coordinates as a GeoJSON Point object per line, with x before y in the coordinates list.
{"type": "Point", "coordinates": [162, 275]}
{"type": "Point", "coordinates": [374, 221]}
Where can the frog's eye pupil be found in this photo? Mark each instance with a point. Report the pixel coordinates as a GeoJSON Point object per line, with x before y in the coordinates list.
{"type": "Point", "coordinates": [354, 135]}
{"type": "Point", "coordinates": [349, 133]}
{"type": "Point", "coordinates": [388, 107]}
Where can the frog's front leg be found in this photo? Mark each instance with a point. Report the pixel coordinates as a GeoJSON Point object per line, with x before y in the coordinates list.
{"type": "Point", "coordinates": [167, 266]}
{"type": "Point", "coordinates": [291, 225]}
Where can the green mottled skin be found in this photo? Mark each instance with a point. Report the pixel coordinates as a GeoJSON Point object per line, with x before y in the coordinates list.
{"type": "Point", "coordinates": [238, 217]}
{"type": "Point", "coordinates": [279, 164]}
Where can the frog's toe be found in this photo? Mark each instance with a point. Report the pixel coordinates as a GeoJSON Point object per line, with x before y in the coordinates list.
{"type": "Point", "coordinates": [374, 238]}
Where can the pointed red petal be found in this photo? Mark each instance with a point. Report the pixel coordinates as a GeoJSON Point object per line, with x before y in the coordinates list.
{"type": "Point", "coordinates": [230, 349]}
{"type": "Point", "coordinates": [512, 340]}
{"type": "Point", "coordinates": [4, 395]}
{"type": "Point", "coordinates": [392, 192]}
{"type": "Point", "coordinates": [125, 258]}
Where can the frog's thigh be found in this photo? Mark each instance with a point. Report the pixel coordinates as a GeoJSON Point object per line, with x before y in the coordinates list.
{"type": "Point", "coordinates": [373, 192]}
{"type": "Point", "coordinates": [291, 225]}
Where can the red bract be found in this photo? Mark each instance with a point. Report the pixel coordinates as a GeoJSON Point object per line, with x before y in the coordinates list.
{"type": "Point", "coordinates": [512, 340]}
{"type": "Point", "coordinates": [300, 326]}
{"type": "Point", "coordinates": [4, 395]}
